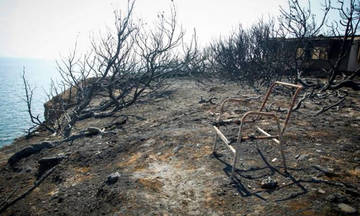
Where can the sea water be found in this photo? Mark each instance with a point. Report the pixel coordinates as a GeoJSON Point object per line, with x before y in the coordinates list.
{"type": "Point", "coordinates": [14, 118]}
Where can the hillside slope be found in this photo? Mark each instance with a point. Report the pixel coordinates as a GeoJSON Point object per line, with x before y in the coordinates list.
{"type": "Point", "coordinates": [159, 157]}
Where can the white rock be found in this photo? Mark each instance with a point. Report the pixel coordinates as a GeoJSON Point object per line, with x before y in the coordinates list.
{"type": "Point", "coordinates": [321, 191]}
{"type": "Point", "coordinates": [112, 178]}
{"type": "Point", "coordinates": [346, 208]}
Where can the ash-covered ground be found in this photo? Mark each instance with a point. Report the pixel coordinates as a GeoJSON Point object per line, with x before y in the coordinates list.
{"type": "Point", "coordinates": [158, 161]}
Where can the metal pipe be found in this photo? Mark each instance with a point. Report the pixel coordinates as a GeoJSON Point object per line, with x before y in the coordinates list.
{"type": "Point", "coordinates": [299, 87]}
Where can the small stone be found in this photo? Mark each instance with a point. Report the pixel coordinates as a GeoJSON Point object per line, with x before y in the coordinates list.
{"type": "Point", "coordinates": [28, 169]}
{"type": "Point", "coordinates": [221, 193]}
{"type": "Point", "coordinates": [268, 183]}
{"type": "Point", "coordinates": [113, 178]}
{"type": "Point", "coordinates": [321, 191]}
{"type": "Point", "coordinates": [149, 143]}
{"type": "Point", "coordinates": [177, 149]}
{"type": "Point", "coordinates": [346, 208]}
{"type": "Point", "coordinates": [337, 198]}
{"type": "Point", "coordinates": [301, 156]}
{"type": "Point", "coordinates": [94, 130]}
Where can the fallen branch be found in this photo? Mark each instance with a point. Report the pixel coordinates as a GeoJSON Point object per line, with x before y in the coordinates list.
{"type": "Point", "coordinates": [3, 203]}
{"type": "Point", "coordinates": [23, 195]}
{"type": "Point", "coordinates": [304, 97]}
{"type": "Point", "coordinates": [326, 108]}
{"type": "Point", "coordinates": [347, 83]}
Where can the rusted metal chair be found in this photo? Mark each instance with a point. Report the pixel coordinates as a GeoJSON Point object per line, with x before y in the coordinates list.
{"type": "Point", "coordinates": [242, 136]}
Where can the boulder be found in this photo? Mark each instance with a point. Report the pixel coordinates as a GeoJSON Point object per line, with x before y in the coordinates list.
{"type": "Point", "coordinates": [26, 152]}
{"type": "Point", "coordinates": [47, 163]}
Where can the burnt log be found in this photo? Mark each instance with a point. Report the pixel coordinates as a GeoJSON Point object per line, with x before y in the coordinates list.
{"type": "Point", "coordinates": [26, 152]}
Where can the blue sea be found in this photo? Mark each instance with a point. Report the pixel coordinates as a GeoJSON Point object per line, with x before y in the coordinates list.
{"type": "Point", "coordinates": [14, 118]}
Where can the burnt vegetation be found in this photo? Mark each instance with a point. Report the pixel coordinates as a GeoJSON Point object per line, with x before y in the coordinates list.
{"type": "Point", "coordinates": [134, 64]}
{"type": "Point", "coordinates": [134, 60]}
{"type": "Point", "coordinates": [121, 67]}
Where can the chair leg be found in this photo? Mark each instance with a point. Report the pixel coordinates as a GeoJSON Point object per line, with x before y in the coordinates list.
{"type": "Point", "coordinates": [234, 164]}
{"type": "Point", "coordinates": [215, 141]}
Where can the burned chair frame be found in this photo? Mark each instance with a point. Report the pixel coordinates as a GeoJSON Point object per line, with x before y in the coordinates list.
{"type": "Point", "coordinates": [258, 114]}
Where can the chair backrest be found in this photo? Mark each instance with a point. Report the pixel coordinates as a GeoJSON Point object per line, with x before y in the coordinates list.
{"type": "Point", "coordinates": [291, 105]}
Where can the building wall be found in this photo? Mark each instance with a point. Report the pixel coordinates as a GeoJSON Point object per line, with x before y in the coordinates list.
{"type": "Point", "coordinates": [354, 57]}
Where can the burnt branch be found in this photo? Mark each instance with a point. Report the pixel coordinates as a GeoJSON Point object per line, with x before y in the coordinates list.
{"type": "Point", "coordinates": [35, 119]}
{"type": "Point", "coordinates": [123, 65]}
{"type": "Point", "coordinates": [326, 108]}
